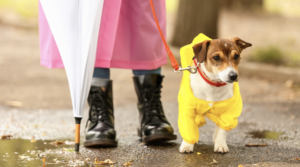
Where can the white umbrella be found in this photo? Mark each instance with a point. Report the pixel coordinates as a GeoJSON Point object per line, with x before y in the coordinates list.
{"type": "Point", "coordinates": [75, 26]}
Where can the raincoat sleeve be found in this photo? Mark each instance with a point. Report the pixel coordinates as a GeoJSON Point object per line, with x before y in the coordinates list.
{"type": "Point", "coordinates": [187, 124]}
{"type": "Point", "coordinates": [188, 127]}
{"type": "Point", "coordinates": [188, 121]}
{"type": "Point", "coordinates": [228, 120]}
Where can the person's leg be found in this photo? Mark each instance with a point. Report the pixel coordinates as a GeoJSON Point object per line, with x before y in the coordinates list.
{"type": "Point", "coordinates": [100, 130]}
{"type": "Point", "coordinates": [154, 125]}
{"type": "Point", "coordinates": [145, 72]}
{"type": "Point", "coordinates": [100, 77]}
{"type": "Point", "coordinates": [141, 73]}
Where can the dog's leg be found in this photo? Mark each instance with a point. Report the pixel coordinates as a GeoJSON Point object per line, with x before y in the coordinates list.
{"type": "Point", "coordinates": [216, 132]}
{"type": "Point", "coordinates": [220, 141]}
{"type": "Point", "coordinates": [186, 147]}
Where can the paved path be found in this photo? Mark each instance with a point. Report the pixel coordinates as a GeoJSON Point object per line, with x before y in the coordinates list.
{"type": "Point", "coordinates": [46, 113]}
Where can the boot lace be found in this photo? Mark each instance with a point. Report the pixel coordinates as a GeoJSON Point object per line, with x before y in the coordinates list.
{"type": "Point", "coordinates": [99, 108]}
{"type": "Point", "coordinates": [152, 102]}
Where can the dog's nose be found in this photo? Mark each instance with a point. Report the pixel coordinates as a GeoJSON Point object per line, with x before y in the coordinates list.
{"type": "Point", "coordinates": [233, 76]}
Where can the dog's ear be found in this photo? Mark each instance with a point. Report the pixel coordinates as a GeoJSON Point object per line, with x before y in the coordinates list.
{"type": "Point", "coordinates": [200, 50]}
{"type": "Point", "coordinates": [240, 43]}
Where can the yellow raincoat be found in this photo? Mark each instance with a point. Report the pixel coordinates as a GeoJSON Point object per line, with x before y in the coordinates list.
{"type": "Point", "coordinates": [192, 110]}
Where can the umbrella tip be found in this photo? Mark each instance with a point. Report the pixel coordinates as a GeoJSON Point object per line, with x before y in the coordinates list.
{"type": "Point", "coordinates": [77, 133]}
{"type": "Point", "coordinates": [77, 147]}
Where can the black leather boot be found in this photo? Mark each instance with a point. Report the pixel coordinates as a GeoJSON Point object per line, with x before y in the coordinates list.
{"type": "Point", "coordinates": [154, 125]}
{"type": "Point", "coordinates": [100, 130]}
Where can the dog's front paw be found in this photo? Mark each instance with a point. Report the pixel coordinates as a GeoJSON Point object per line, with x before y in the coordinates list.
{"type": "Point", "coordinates": [186, 147]}
{"type": "Point", "coordinates": [221, 146]}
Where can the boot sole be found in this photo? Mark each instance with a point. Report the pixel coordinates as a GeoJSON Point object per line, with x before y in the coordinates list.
{"type": "Point", "coordinates": [157, 137]}
{"type": "Point", "coordinates": [100, 143]}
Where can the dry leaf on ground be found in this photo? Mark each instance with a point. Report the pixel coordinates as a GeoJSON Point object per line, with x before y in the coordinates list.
{"type": "Point", "coordinates": [256, 145]}
{"type": "Point", "coordinates": [13, 103]}
{"type": "Point", "coordinates": [213, 162]}
{"type": "Point", "coordinates": [57, 143]}
{"type": "Point", "coordinates": [6, 137]}
{"type": "Point", "coordinates": [105, 162]}
{"type": "Point", "coordinates": [289, 83]}
{"type": "Point", "coordinates": [127, 164]}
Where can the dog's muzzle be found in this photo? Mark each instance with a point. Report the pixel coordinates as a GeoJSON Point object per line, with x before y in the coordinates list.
{"type": "Point", "coordinates": [233, 76]}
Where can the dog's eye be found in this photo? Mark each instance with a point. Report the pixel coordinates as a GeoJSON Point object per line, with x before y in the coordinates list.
{"type": "Point", "coordinates": [217, 58]}
{"type": "Point", "coordinates": [236, 56]}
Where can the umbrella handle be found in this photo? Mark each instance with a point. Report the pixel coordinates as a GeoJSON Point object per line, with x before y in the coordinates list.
{"type": "Point", "coordinates": [77, 133]}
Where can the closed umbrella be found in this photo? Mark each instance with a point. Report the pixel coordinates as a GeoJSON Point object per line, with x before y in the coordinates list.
{"type": "Point", "coordinates": [75, 26]}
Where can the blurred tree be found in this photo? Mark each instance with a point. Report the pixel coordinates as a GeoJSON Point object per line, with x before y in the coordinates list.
{"type": "Point", "coordinates": [201, 16]}
{"type": "Point", "coordinates": [242, 4]}
{"type": "Point", "coordinates": [194, 17]}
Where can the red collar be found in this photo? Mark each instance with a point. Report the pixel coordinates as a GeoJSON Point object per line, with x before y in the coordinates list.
{"type": "Point", "coordinates": [206, 79]}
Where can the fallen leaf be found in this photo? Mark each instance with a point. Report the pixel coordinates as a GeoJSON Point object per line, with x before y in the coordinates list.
{"type": "Point", "coordinates": [6, 137]}
{"type": "Point", "coordinates": [297, 159]}
{"type": "Point", "coordinates": [289, 83]}
{"type": "Point", "coordinates": [127, 164]}
{"type": "Point", "coordinates": [256, 145]}
{"type": "Point", "coordinates": [214, 162]}
{"type": "Point", "coordinates": [33, 141]}
{"type": "Point", "coordinates": [44, 160]}
{"type": "Point", "coordinates": [13, 103]}
{"type": "Point", "coordinates": [107, 161]}
{"type": "Point", "coordinates": [240, 166]}
{"type": "Point", "coordinates": [22, 157]}
{"type": "Point", "coordinates": [57, 143]}
{"type": "Point", "coordinates": [198, 153]}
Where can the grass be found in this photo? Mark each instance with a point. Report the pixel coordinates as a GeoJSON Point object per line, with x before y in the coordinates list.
{"type": "Point", "coordinates": [24, 8]}
{"type": "Point", "coordinates": [276, 56]}
{"type": "Point", "coordinates": [271, 55]}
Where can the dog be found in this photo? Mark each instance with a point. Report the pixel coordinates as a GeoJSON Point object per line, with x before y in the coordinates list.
{"type": "Point", "coordinates": [212, 91]}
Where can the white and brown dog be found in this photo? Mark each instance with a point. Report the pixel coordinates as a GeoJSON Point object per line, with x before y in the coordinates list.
{"type": "Point", "coordinates": [215, 92]}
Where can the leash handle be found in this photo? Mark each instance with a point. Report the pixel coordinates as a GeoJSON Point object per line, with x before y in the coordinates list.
{"type": "Point", "coordinates": [174, 62]}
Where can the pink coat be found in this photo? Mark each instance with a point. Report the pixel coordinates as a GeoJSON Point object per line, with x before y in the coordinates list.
{"type": "Point", "coordinates": [128, 37]}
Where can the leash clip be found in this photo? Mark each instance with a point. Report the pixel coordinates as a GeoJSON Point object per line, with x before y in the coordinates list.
{"type": "Point", "coordinates": [192, 70]}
